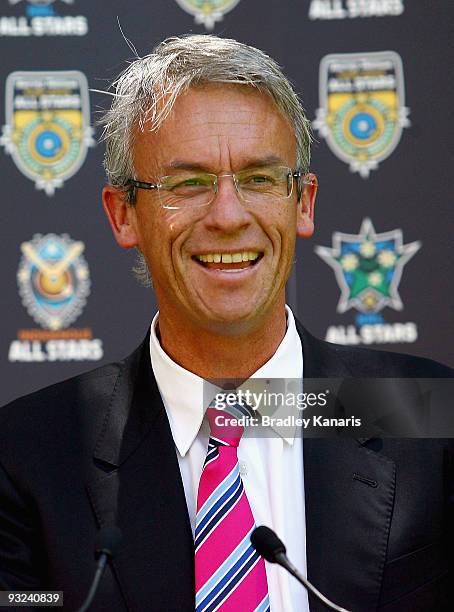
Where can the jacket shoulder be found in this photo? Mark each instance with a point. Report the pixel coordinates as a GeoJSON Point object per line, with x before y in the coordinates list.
{"type": "Point", "coordinates": [78, 390]}
{"type": "Point", "coordinates": [374, 362]}
{"type": "Point", "coordinates": [60, 416]}
{"type": "Point", "coordinates": [64, 391]}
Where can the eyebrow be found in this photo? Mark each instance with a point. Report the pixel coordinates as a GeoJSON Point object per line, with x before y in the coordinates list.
{"type": "Point", "coordinates": [269, 160]}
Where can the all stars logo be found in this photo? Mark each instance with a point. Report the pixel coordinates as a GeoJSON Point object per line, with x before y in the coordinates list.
{"type": "Point", "coordinates": [43, 3]}
{"type": "Point", "coordinates": [53, 280]}
{"type": "Point", "coordinates": [362, 107]}
{"type": "Point", "coordinates": [368, 269]}
{"type": "Point", "coordinates": [354, 9]}
{"type": "Point", "coordinates": [47, 130]}
{"type": "Point", "coordinates": [207, 12]}
{"type": "Point", "coordinates": [54, 284]}
{"type": "Point", "coordinates": [41, 19]}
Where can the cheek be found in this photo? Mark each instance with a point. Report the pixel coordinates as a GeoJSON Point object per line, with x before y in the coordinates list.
{"type": "Point", "coordinates": [151, 236]}
{"type": "Point", "coordinates": [282, 229]}
{"type": "Point", "coordinates": [163, 236]}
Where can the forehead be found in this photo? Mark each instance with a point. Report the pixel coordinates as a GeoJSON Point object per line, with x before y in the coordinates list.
{"type": "Point", "coordinates": [213, 124]}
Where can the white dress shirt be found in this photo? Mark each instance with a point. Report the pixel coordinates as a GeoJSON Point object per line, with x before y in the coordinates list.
{"type": "Point", "coordinates": [271, 467]}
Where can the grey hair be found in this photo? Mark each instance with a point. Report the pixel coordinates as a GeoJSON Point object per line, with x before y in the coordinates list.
{"type": "Point", "coordinates": [141, 270]}
{"type": "Point", "coordinates": [147, 90]}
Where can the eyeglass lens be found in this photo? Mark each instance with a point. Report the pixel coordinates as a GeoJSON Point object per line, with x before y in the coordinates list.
{"type": "Point", "coordinates": [255, 185]}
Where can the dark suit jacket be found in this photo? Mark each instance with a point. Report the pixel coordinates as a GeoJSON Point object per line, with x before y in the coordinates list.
{"type": "Point", "coordinates": [97, 449]}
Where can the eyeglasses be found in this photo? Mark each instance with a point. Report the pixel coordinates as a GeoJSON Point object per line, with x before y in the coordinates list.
{"type": "Point", "coordinates": [253, 185]}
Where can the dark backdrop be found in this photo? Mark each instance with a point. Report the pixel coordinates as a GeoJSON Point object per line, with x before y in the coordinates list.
{"type": "Point", "coordinates": [60, 319]}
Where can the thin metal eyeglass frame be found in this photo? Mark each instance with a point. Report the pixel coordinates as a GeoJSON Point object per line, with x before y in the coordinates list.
{"type": "Point", "coordinates": [296, 174]}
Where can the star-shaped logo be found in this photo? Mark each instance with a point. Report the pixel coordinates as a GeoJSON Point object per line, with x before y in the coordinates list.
{"type": "Point", "coordinates": [368, 267]}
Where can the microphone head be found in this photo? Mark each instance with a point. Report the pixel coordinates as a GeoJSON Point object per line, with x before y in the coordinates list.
{"type": "Point", "coordinates": [266, 543]}
{"type": "Point", "coordinates": [107, 541]}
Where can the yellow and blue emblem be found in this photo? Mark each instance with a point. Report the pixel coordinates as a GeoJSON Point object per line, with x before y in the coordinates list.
{"type": "Point", "coordinates": [362, 107]}
{"type": "Point", "coordinates": [47, 129]}
{"type": "Point", "coordinates": [207, 12]}
{"type": "Point", "coordinates": [40, 8]}
{"type": "Point", "coordinates": [53, 280]}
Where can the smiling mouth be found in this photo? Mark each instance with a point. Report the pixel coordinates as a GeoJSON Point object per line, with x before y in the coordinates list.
{"type": "Point", "coordinates": [229, 262]}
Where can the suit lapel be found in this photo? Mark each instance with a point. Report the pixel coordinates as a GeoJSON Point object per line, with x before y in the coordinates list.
{"type": "Point", "coordinates": [137, 486]}
{"type": "Point", "coordinates": [349, 495]}
{"type": "Point", "coordinates": [349, 492]}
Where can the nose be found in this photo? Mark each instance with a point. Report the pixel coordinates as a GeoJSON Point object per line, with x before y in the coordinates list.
{"type": "Point", "coordinates": [227, 212]}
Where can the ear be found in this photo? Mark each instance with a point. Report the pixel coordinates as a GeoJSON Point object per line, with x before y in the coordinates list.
{"type": "Point", "coordinates": [121, 215]}
{"type": "Point", "coordinates": [306, 205]}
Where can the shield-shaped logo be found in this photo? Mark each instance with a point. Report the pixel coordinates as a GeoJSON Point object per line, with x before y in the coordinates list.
{"type": "Point", "coordinates": [207, 12]}
{"type": "Point", "coordinates": [368, 267]}
{"type": "Point", "coordinates": [362, 107]}
{"type": "Point", "coordinates": [43, 6]}
{"type": "Point", "coordinates": [47, 129]}
{"type": "Point", "coordinates": [42, 2]}
{"type": "Point", "coordinates": [53, 280]}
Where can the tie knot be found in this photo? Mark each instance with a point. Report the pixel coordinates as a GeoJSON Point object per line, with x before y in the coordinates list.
{"type": "Point", "coordinates": [224, 426]}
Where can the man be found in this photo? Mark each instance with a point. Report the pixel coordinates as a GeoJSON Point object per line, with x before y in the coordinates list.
{"type": "Point", "coordinates": [208, 169]}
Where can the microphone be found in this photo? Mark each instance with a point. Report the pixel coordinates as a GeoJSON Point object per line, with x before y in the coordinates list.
{"type": "Point", "coordinates": [272, 549]}
{"type": "Point", "coordinates": [107, 542]}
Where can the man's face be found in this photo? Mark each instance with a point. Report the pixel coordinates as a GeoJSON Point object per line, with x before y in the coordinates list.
{"type": "Point", "coordinates": [219, 129]}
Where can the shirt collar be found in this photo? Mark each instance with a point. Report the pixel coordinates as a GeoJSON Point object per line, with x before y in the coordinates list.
{"type": "Point", "coordinates": [182, 391]}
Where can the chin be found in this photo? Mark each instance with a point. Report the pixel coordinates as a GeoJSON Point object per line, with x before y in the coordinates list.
{"type": "Point", "coordinates": [232, 321]}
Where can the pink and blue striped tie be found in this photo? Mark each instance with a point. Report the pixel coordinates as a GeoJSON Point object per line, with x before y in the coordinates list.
{"type": "Point", "coordinates": [229, 574]}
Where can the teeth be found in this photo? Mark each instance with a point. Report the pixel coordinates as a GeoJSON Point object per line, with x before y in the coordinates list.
{"type": "Point", "coordinates": [228, 257]}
